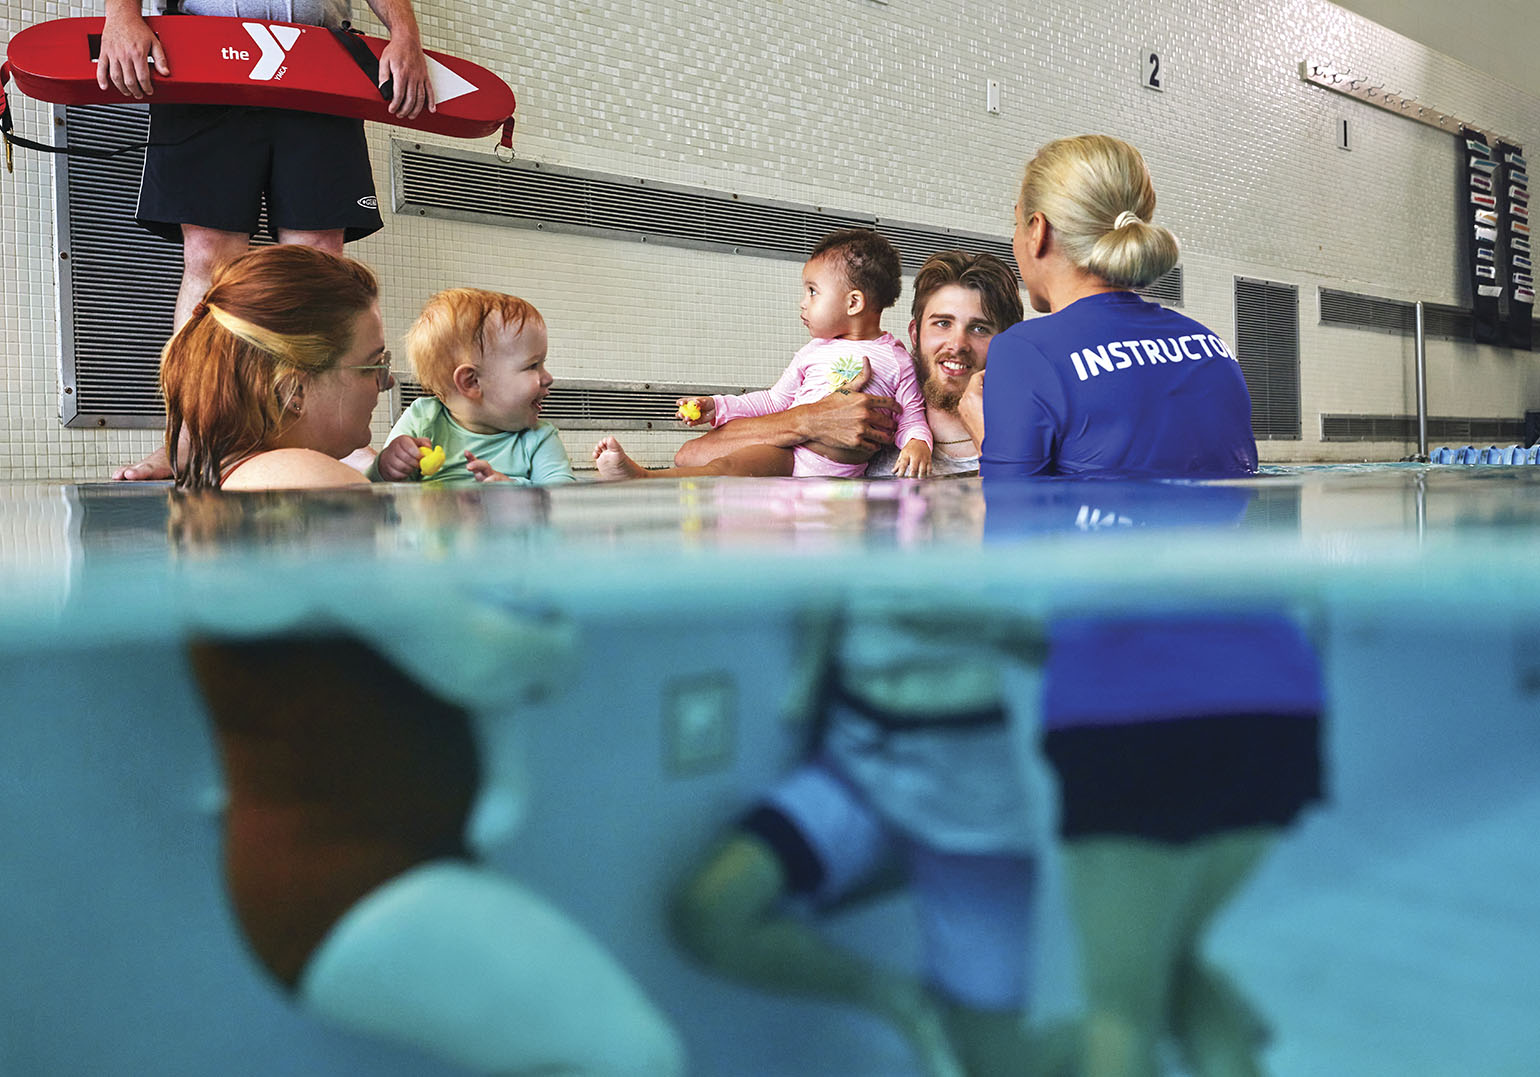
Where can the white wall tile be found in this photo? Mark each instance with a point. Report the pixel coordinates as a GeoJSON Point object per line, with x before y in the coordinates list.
{"type": "Point", "coordinates": [879, 108]}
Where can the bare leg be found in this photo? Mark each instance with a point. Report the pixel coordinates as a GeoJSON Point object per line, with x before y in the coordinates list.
{"type": "Point", "coordinates": [1142, 909]}
{"type": "Point", "coordinates": [1216, 1027]}
{"type": "Point", "coordinates": [1128, 898]}
{"type": "Point", "coordinates": [993, 1044]}
{"type": "Point", "coordinates": [472, 967]}
{"type": "Point", "coordinates": [613, 462]}
{"type": "Point", "coordinates": [203, 251]}
{"type": "Point", "coordinates": [329, 241]}
{"type": "Point", "coordinates": [728, 917]}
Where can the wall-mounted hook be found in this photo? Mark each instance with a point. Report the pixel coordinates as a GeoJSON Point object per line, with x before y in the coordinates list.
{"type": "Point", "coordinates": [1344, 81]}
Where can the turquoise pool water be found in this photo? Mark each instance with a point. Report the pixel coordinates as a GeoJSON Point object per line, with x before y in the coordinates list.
{"type": "Point", "coordinates": [1392, 933]}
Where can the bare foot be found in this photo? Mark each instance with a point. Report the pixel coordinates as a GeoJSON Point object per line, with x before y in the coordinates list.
{"type": "Point", "coordinates": [155, 466]}
{"type": "Point", "coordinates": [613, 463]}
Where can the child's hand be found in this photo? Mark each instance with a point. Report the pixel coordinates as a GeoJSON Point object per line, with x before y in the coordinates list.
{"type": "Point", "coordinates": [855, 383]}
{"type": "Point", "coordinates": [913, 460]}
{"type": "Point", "coordinates": [398, 461]}
{"type": "Point", "coordinates": [695, 410]}
{"type": "Point", "coordinates": [483, 471]}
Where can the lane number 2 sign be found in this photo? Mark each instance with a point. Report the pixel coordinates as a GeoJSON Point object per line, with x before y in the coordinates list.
{"type": "Point", "coordinates": [1154, 74]}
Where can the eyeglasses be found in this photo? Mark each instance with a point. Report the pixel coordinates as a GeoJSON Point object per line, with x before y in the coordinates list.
{"type": "Point", "coordinates": [381, 370]}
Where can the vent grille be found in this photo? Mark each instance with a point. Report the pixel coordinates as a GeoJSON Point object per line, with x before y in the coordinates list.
{"type": "Point", "coordinates": [117, 282]}
{"type": "Point", "coordinates": [439, 182]}
{"type": "Point", "coordinates": [576, 404]}
{"type": "Point", "coordinates": [1355, 310]}
{"type": "Point", "coordinates": [1167, 289]}
{"type": "Point", "coordinates": [1404, 428]}
{"type": "Point", "coordinates": [1267, 347]}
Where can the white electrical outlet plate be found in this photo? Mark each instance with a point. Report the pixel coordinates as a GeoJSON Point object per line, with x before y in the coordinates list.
{"type": "Point", "coordinates": [992, 96]}
{"type": "Point", "coordinates": [699, 723]}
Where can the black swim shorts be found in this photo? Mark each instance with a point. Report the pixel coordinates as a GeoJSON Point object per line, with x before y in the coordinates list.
{"type": "Point", "coordinates": [210, 165]}
{"type": "Point", "coordinates": [1180, 780]}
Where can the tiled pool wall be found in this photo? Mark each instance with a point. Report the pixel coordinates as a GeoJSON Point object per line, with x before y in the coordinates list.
{"type": "Point", "coordinates": [880, 108]}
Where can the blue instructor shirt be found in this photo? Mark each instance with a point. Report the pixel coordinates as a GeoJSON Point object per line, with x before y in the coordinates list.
{"type": "Point", "coordinates": [1116, 385]}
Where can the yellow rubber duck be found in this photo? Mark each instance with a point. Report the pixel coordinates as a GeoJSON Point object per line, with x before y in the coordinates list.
{"type": "Point", "coordinates": [689, 411]}
{"type": "Point", "coordinates": [432, 459]}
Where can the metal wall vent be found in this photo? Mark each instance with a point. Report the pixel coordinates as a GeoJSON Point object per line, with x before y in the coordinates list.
{"type": "Point", "coordinates": [579, 404]}
{"type": "Point", "coordinates": [1267, 347]}
{"type": "Point", "coordinates": [435, 181]}
{"type": "Point", "coordinates": [117, 282]}
{"type": "Point", "coordinates": [1166, 289]}
{"type": "Point", "coordinates": [1445, 322]}
{"type": "Point", "coordinates": [1404, 428]}
{"type": "Point", "coordinates": [1355, 310]}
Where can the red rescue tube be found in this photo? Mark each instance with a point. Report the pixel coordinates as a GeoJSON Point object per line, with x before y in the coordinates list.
{"type": "Point", "coordinates": [234, 61]}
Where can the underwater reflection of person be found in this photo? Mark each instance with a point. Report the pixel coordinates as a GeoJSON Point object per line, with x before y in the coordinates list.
{"type": "Point", "coordinates": [1184, 741]}
{"type": "Point", "coordinates": [349, 792]}
{"type": "Point", "coordinates": [911, 780]}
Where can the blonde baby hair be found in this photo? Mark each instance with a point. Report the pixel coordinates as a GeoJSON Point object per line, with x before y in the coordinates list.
{"type": "Point", "coordinates": [451, 332]}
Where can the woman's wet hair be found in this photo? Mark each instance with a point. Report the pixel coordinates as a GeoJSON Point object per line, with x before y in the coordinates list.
{"type": "Point", "coordinates": [868, 261]}
{"type": "Point", "coordinates": [1096, 193]}
{"type": "Point", "coordinates": [995, 283]}
{"type": "Point", "coordinates": [269, 318]}
{"type": "Point", "coordinates": [451, 331]}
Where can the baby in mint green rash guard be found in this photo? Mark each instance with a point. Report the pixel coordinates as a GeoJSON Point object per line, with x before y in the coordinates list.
{"type": "Point", "coordinates": [482, 356]}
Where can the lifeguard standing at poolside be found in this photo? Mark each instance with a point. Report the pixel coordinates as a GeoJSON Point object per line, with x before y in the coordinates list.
{"type": "Point", "coordinates": [209, 166]}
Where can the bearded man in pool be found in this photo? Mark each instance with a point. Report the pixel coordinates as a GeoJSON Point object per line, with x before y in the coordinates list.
{"type": "Point", "coordinates": [961, 301]}
{"type": "Point", "coordinates": [914, 786]}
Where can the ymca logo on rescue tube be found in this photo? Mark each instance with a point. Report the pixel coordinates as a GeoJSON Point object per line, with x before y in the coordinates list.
{"type": "Point", "coordinates": [274, 43]}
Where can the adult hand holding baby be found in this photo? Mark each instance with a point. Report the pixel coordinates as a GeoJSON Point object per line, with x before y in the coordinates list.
{"type": "Point", "coordinates": [970, 408]}
{"type": "Point", "coordinates": [849, 419]}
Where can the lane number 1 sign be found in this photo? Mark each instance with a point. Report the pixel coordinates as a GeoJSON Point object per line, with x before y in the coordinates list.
{"type": "Point", "coordinates": [1154, 74]}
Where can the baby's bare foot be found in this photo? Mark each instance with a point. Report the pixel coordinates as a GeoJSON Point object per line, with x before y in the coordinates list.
{"type": "Point", "coordinates": [613, 463]}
